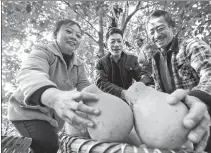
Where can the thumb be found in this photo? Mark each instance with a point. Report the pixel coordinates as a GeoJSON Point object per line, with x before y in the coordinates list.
{"type": "Point", "coordinates": [196, 112]}
{"type": "Point", "coordinates": [177, 96]}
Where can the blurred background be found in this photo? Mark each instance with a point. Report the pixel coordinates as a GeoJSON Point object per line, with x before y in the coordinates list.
{"type": "Point", "coordinates": [25, 23]}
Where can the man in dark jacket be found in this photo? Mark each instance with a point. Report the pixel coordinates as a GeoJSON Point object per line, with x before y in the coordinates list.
{"type": "Point", "coordinates": [116, 70]}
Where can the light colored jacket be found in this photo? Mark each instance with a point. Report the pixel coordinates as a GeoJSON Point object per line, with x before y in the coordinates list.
{"type": "Point", "coordinates": [45, 66]}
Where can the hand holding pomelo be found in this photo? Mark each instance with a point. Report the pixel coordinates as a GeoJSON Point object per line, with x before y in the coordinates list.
{"type": "Point", "coordinates": [157, 123]}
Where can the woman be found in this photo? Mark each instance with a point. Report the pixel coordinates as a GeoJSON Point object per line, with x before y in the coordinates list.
{"type": "Point", "coordinates": [46, 97]}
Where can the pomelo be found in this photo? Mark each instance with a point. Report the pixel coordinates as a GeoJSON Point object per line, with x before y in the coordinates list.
{"type": "Point", "coordinates": [157, 123]}
{"type": "Point", "coordinates": [115, 121]}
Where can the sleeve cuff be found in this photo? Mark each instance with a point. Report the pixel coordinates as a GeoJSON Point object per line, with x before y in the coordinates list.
{"type": "Point", "coordinates": [35, 99]}
{"type": "Point", "coordinates": [203, 96]}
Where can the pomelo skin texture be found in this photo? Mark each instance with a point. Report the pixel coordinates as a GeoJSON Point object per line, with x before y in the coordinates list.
{"type": "Point", "coordinates": [157, 123]}
{"type": "Point", "coordinates": [115, 121]}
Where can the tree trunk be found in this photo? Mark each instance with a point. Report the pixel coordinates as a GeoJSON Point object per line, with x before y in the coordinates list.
{"type": "Point", "coordinates": [100, 34]}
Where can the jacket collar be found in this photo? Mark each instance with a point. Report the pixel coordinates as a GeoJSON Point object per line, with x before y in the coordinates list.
{"type": "Point", "coordinates": [110, 55]}
{"type": "Point", "coordinates": [55, 49]}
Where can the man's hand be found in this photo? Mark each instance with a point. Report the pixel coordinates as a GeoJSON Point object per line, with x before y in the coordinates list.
{"type": "Point", "coordinates": [128, 97]}
{"type": "Point", "coordinates": [131, 95]}
{"type": "Point", "coordinates": [69, 106]}
{"type": "Point", "coordinates": [197, 119]}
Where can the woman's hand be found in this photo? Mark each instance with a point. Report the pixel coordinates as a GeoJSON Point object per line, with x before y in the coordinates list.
{"type": "Point", "coordinates": [197, 119]}
{"type": "Point", "coordinates": [69, 106]}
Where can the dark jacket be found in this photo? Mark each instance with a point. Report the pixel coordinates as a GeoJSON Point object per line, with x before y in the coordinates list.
{"type": "Point", "coordinates": [129, 70]}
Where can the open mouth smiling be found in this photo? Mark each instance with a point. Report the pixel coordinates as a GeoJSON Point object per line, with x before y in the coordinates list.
{"type": "Point", "coordinates": [160, 39]}
{"type": "Point", "coordinates": [116, 50]}
{"type": "Point", "coordinates": [71, 42]}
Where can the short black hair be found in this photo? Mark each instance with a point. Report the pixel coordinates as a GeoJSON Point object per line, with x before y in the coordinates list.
{"type": "Point", "coordinates": [113, 31]}
{"type": "Point", "coordinates": [60, 23]}
{"type": "Point", "coordinates": [165, 14]}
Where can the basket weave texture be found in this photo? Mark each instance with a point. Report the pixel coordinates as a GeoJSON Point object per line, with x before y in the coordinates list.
{"type": "Point", "coordinates": [83, 145]}
{"type": "Point", "coordinates": [14, 144]}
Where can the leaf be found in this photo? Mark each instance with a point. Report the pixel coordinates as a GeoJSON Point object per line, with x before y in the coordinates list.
{"type": "Point", "coordinates": [41, 24]}
{"type": "Point", "coordinates": [207, 10]}
{"type": "Point", "coordinates": [18, 16]}
{"type": "Point", "coordinates": [17, 9]}
{"type": "Point", "coordinates": [32, 21]}
{"type": "Point", "coordinates": [201, 29]}
{"type": "Point", "coordinates": [28, 8]}
{"type": "Point", "coordinates": [71, 13]}
{"type": "Point", "coordinates": [195, 32]}
{"type": "Point", "coordinates": [48, 6]}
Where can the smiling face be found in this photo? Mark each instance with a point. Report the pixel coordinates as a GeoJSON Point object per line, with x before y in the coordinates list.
{"type": "Point", "coordinates": [159, 32]}
{"type": "Point", "coordinates": [69, 38]}
{"type": "Point", "coordinates": [115, 44]}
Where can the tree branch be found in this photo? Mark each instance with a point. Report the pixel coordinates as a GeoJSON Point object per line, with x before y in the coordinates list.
{"type": "Point", "coordinates": [110, 17]}
{"type": "Point", "coordinates": [125, 14]}
{"type": "Point", "coordinates": [91, 37]}
{"type": "Point", "coordinates": [135, 10]}
{"type": "Point", "coordinates": [90, 24]}
{"type": "Point", "coordinates": [82, 16]}
{"type": "Point", "coordinates": [130, 16]}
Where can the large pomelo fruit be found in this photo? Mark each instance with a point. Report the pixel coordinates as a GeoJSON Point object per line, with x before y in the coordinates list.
{"type": "Point", "coordinates": [157, 123]}
{"type": "Point", "coordinates": [115, 121]}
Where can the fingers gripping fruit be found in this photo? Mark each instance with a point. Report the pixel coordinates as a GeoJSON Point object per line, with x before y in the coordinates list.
{"type": "Point", "coordinates": [157, 123]}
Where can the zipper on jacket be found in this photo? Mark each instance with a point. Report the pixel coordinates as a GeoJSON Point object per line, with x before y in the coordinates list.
{"type": "Point", "coordinates": [121, 75]}
{"type": "Point", "coordinates": [112, 68]}
{"type": "Point", "coordinates": [112, 79]}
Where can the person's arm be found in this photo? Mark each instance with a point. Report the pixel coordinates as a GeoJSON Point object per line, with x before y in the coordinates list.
{"type": "Point", "coordinates": [203, 96]}
{"type": "Point", "coordinates": [197, 119]}
{"type": "Point", "coordinates": [199, 54]}
{"type": "Point", "coordinates": [35, 98]}
{"type": "Point", "coordinates": [104, 84]}
{"type": "Point", "coordinates": [34, 81]}
{"type": "Point", "coordinates": [68, 103]}
{"type": "Point", "coordinates": [34, 72]}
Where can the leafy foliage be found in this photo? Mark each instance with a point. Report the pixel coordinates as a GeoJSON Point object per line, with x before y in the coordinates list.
{"type": "Point", "coordinates": [25, 23]}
